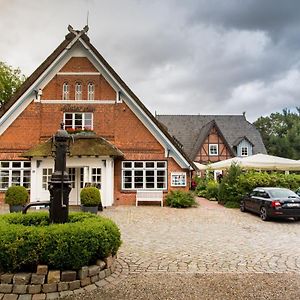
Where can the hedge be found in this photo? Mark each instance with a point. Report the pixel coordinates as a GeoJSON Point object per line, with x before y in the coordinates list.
{"type": "Point", "coordinates": [29, 240]}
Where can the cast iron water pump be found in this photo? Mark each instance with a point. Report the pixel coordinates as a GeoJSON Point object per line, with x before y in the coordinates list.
{"type": "Point", "coordinates": [59, 184]}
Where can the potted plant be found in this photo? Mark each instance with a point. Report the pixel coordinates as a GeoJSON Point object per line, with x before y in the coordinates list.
{"type": "Point", "coordinates": [90, 199]}
{"type": "Point", "coordinates": [16, 197]}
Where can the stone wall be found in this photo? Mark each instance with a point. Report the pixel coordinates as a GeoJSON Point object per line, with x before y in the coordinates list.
{"type": "Point", "coordinates": [53, 284]}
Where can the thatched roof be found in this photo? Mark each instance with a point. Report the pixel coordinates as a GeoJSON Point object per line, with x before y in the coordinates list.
{"type": "Point", "coordinates": [79, 146]}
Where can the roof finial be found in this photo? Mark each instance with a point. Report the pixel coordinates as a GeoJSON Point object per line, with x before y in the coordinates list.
{"type": "Point", "coordinates": [70, 28]}
{"type": "Point", "coordinates": [84, 30]}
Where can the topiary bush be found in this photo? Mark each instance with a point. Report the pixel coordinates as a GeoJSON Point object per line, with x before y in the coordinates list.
{"type": "Point", "coordinates": [180, 199]}
{"type": "Point", "coordinates": [16, 195]}
{"type": "Point", "coordinates": [29, 240]}
{"type": "Point", "coordinates": [90, 196]}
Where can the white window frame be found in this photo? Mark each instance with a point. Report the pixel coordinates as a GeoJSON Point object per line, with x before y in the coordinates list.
{"type": "Point", "coordinates": [96, 177]}
{"type": "Point", "coordinates": [178, 179]}
{"type": "Point", "coordinates": [66, 91]}
{"type": "Point", "coordinates": [144, 169]}
{"type": "Point", "coordinates": [84, 119]}
{"type": "Point", "coordinates": [210, 149]}
{"type": "Point", "coordinates": [91, 91]}
{"type": "Point", "coordinates": [242, 150]}
{"type": "Point", "coordinates": [11, 169]}
{"type": "Point", "coordinates": [78, 91]}
{"type": "Point", "coordinates": [46, 176]}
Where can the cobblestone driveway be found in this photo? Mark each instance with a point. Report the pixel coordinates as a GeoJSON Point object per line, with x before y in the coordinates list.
{"type": "Point", "coordinates": [207, 239]}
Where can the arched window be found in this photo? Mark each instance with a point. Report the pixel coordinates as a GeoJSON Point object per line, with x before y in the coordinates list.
{"type": "Point", "coordinates": [78, 91]}
{"type": "Point", "coordinates": [65, 91]}
{"type": "Point", "coordinates": [91, 91]}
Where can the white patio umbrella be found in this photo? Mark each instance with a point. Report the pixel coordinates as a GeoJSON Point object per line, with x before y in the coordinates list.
{"type": "Point", "coordinates": [201, 167]}
{"type": "Point", "coordinates": [259, 162]}
{"type": "Point", "coordinates": [225, 164]}
{"type": "Point", "coordinates": [270, 162]}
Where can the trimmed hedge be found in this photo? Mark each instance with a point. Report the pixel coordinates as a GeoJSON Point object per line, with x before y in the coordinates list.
{"type": "Point", "coordinates": [29, 240]}
{"type": "Point", "coordinates": [180, 199]}
{"type": "Point", "coordinates": [16, 195]}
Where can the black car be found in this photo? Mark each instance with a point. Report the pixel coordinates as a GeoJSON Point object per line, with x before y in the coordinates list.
{"type": "Point", "coordinates": [272, 202]}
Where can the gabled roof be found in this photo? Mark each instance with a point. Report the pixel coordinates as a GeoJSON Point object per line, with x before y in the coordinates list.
{"type": "Point", "coordinates": [188, 129]}
{"type": "Point", "coordinates": [68, 43]}
{"type": "Point", "coordinates": [203, 134]}
{"type": "Point", "coordinates": [80, 146]}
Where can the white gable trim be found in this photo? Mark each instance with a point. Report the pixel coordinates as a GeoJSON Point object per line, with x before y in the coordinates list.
{"type": "Point", "coordinates": [20, 105]}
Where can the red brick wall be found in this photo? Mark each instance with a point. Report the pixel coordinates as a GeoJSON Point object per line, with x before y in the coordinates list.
{"type": "Point", "coordinates": [116, 122]}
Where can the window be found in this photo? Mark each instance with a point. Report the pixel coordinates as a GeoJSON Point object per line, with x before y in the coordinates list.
{"type": "Point", "coordinates": [46, 177]}
{"type": "Point", "coordinates": [244, 151]}
{"type": "Point", "coordinates": [14, 173]}
{"type": "Point", "coordinates": [66, 91]}
{"type": "Point", "coordinates": [144, 175]}
{"type": "Point", "coordinates": [91, 91]}
{"type": "Point", "coordinates": [78, 120]}
{"type": "Point", "coordinates": [72, 176]}
{"type": "Point", "coordinates": [96, 177]}
{"type": "Point", "coordinates": [213, 149]}
{"type": "Point", "coordinates": [78, 91]}
{"type": "Point", "coordinates": [178, 179]}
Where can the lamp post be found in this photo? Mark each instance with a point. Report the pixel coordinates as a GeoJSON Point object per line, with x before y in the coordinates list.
{"type": "Point", "coordinates": [60, 185]}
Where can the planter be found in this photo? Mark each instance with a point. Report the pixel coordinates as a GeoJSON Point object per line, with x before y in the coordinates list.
{"type": "Point", "coordinates": [90, 209]}
{"type": "Point", "coordinates": [15, 208]}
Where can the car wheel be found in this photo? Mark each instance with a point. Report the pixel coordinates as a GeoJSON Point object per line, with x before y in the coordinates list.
{"type": "Point", "coordinates": [242, 207]}
{"type": "Point", "coordinates": [263, 214]}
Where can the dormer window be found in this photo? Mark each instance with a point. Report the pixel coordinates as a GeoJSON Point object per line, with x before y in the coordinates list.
{"type": "Point", "coordinates": [91, 91]}
{"type": "Point", "coordinates": [78, 91]}
{"type": "Point", "coordinates": [244, 151]}
{"type": "Point", "coordinates": [66, 91]}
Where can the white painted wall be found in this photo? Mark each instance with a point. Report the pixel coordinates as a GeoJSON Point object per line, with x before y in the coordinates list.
{"type": "Point", "coordinates": [107, 176]}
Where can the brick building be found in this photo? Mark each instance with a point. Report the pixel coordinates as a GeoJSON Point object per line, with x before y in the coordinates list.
{"type": "Point", "coordinates": [121, 147]}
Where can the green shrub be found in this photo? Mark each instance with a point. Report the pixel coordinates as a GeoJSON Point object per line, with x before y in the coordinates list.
{"type": "Point", "coordinates": [180, 199]}
{"type": "Point", "coordinates": [250, 180]}
{"type": "Point", "coordinates": [232, 204]}
{"type": "Point", "coordinates": [229, 190]}
{"type": "Point", "coordinates": [16, 195]}
{"type": "Point", "coordinates": [90, 196]}
{"type": "Point", "coordinates": [68, 246]}
{"type": "Point", "coordinates": [212, 190]}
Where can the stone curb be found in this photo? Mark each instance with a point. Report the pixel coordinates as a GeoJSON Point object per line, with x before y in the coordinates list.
{"type": "Point", "coordinates": [55, 284]}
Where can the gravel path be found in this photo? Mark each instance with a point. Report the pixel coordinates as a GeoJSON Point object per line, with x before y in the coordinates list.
{"type": "Point", "coordinates": [201, 286]}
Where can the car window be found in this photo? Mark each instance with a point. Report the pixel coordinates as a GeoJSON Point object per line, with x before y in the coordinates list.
{"type": "Point", "coordinates": [282, 193]}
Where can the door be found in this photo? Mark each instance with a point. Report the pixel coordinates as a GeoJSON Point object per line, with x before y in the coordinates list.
{"type": "Point", "coordinates": [76, 178]}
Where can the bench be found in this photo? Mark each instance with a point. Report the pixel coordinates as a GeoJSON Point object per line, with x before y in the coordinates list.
{"type": "Point", "coordinates": [148, 195]}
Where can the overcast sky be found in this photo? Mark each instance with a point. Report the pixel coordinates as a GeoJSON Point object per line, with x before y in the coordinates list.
{"type": "Point", "coordinates": [179, 57]}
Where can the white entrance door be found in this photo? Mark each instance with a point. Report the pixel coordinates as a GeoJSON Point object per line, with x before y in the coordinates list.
{"type": "Point", "coordinates": [76, 178]}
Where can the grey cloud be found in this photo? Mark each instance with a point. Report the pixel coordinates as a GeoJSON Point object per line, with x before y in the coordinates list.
{"type": "Point", "coordinates": [178, 56]}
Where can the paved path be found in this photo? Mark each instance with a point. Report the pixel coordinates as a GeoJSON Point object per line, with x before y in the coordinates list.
{"type": "Point", "coordinates": [207, 239]}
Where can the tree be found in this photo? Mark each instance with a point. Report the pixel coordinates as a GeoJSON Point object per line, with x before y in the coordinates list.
{"type": "Point", "coordinates": [10, 81]}
{"type": "Point", "coordinates": [281, 133]}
